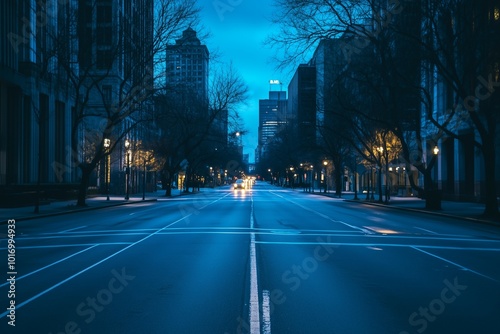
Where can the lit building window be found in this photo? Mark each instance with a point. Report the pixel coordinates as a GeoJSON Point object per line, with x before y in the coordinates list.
{"type": "Point", "coordinates": [496, 14]}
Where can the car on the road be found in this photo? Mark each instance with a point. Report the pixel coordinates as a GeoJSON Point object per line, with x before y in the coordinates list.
{"type": "Point", "coordinates": [239, 184]}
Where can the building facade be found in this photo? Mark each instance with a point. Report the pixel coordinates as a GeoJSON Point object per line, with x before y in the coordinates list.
{"type": "Point", "coordinates": [53, 52]}
{"type": "Point", "coordinates": [35, 102]}
{"type": "Point", "coordinates": [302, 106]}
{"type": "Point", "coordinates": [116, 57]}
{"type": "Point", "coordinates": [464, 157]}
{"type": "Point", "coordinates": [187, 66]}
{"type": "Point", "coordinates": [272, 118]}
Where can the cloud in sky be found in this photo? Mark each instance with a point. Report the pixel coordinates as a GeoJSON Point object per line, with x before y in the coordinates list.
{"type": "Point", "coordinates": [238, 30]}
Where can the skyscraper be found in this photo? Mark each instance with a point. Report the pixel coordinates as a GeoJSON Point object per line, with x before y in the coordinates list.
{"type": "Point", "coordinates": [35, 101]}
{"type": "Point", "coordinates": [115, 55]}
{"type": "Point", "coordinates": [53, 51]}
{"type": "Point", "coordinates": [187, 65]}
{"type": "Point", "coordinates": [302, 104]}
{"type": "Point", "coordinates": [272, 116]}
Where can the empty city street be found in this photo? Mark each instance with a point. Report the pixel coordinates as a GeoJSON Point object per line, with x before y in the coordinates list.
{"type": "Point", "coordinates": [261, 260]}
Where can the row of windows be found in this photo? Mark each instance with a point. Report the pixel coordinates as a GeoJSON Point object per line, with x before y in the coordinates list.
{"type": "Point", "coordinates": [190, 55]}
{"type": "Point", "coordinates": [172, 67]}
{"type": "Point", "coordinates": [187, 73]}
{"type": "Point", "coordinates": [185, 79]}
{"type": "Point", "coordinates": [188, 62]}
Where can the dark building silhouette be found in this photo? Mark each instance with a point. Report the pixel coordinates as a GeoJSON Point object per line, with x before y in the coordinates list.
{"type": "Point", "coordinates": [302, 105]}
{"type": "Point", "coordinates": [329, 61]}
{"type": "Point", "coordinates": [187, 65]}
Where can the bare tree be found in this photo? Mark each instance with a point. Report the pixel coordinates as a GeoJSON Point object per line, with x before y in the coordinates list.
{"type": "Point", "coordinates": [445, 39]}
{"type": "Point", "coordinates": [458, 48]}
{"type": "Point", "coordinates": [130, 66]}
{"type": "Point", "coordinates": [188, 124]}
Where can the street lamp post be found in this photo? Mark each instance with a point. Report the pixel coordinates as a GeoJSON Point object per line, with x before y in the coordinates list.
{"type": "Point", "coordinates": [311, 181]}
{"type": "Point", "coordinates": [433, 196]}
{"type": "Point", "coordinates": [356, 178]}
{"type": "Point", "coordinates": [144, 180]}
{"type": "Point", "coordinates": [107, 144]}
{"type": "Point", "coordinates": [372, 183]}
{"type": "Point", "coordinates": [127, 170]}
{"type": "Point", "coordinates": [325, 164]}
{"type": "Point", "coordinates": [405, 176]}
{"type": "Point", "coordinates": [399, 177]}
{"type": "Point", "coordinates": [381, 152]}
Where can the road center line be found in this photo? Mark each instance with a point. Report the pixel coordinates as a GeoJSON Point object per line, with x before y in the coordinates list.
{"type": "Point", "coordinates": [254, 288]}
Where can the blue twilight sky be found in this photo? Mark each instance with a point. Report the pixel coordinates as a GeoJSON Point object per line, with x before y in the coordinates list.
{"type": "Point", "coordinates": [238, 29]}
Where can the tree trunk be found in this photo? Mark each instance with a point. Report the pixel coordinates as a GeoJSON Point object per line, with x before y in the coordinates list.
{"type": "Point", "coordinates": [339, 180]}
{"type": "Point", "coordinates": [168, 186]}
{"type": "Point", "coordinates": [490, 195]}
{"type": "Point", "coordinates": [431, 194]}
{"type": "Point", "coordinates": [168, 190]}
{"type": "Point", "coordinates": [84, 184]}
{"type": "Point", "coordinates": [187, 180]}
{"type": "Point", "coordinates": [39, 175]}
{"type": "Point", "coordinates": [380, 198]}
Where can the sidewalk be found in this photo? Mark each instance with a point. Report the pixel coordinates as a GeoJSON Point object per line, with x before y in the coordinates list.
{"type": "Point", "coordinates": [92, 203]}
{"type": "Point", "coordinates": [454, 209]}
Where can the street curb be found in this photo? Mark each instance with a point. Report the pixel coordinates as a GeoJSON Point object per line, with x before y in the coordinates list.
{"type": "Point", "coordinates": [446, 215]}
{"type": "Point", "coordinates": [65, 212]}
{"type": "Point", "coordinates": [434, 213]}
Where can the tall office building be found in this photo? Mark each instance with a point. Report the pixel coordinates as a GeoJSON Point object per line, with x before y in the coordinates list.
{"type": "Point", "coordinates": [302, 105]}
{"type": "Point", "coordinates": [328, 61]}
{"type": "Point", "coordinates": [187, 65]}
{"type": "Point", "coordinates": [48, 43]}
{"type": "Point", "coordinates": [116, 53]}
{"type": "Point", "coordinates": [35, 101]}
{"type": "Point", "coordinates": [272, 117]}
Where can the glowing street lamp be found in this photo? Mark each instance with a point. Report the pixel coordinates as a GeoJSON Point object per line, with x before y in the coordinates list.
{"type": "Point", "coordinates": [435, 150]}
{"type": "Point", "coordinates": [325, 164]}
{"type": "Point", "coordinates": [107, 144]}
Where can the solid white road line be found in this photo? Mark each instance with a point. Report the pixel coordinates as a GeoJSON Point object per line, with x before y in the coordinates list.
{"type": "Point", "coordinates": [50, 265]}
{"type": "Point", "coordinates": [72, 229]}
{"type": "Point", "coordinates": [266, 312]}
{"type": "Point", "coordinates": [324, 216]}
{"type": "Point", "coordinates": [377, 244]}
{"type": "Point", "coordinates": [254, 288]}
{"type": "Point", "coordinates": [454, 263]}
{"type": "Point", "coordinates": [73, 245]}
{"type": "Point", "coordinates": [425, 230]}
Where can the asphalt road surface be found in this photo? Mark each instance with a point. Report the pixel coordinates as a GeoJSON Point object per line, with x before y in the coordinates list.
{"type": "Point", "coordinates": [263, 260]}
